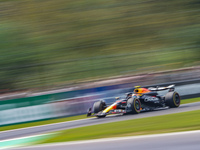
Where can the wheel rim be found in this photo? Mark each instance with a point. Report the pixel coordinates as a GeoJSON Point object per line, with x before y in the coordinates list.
{"type": "Point", "coordinates": [177, 99]}
{"type": "Point", "coordinates": [137, 105]}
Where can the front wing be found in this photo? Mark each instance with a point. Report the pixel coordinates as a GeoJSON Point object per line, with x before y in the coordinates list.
{"type": "Point", "coordinates": [115, 111]}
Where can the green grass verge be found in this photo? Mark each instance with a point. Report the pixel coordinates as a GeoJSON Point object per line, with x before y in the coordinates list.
{"type": "Point", "coordinates": [152, 125]}
{"type": "Point", "coordinates": [191, 100]}
{"type": "Point", "coordinates": [31, 124]}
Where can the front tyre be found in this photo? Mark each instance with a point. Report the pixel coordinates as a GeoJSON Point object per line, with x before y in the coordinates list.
{"type": "Point", "coordinates": [133, 105]}
{"type": "Point", "coordinates": [172, 99]}
{"type": "Point", "coordinates": [99, 106]}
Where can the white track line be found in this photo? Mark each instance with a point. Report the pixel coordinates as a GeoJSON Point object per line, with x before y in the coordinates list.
{"type": "Point", "coordinates": [38, 135]}
{"type": "Point", "coordinates": [111, 139]}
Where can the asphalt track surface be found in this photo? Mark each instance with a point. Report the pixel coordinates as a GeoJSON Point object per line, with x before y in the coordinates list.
{"type": "Point", "coordinates": [170, 141]}
{"type": "Point", "coordinates": [92, 121]}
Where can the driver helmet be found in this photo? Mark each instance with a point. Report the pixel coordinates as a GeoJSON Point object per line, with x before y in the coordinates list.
{"type": "Point", "coordinates": [136, 90]}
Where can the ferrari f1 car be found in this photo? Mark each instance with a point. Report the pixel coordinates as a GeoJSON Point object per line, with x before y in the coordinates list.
{"type": "Point", "coordinates": [142, 99]}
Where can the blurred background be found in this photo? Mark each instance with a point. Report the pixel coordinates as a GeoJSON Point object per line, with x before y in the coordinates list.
{"type": "Point", "coordinates": [58, 57]}
{"type": "Point", "coordinates": [48, 43]}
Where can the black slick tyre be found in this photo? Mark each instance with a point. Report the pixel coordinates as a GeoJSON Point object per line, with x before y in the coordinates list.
{"type": "Point", "coordinates": [99, 106]}
{"type": "Point", "coordinates": [133, 105]}
{"type": "Point", "coordinates": [172, 99]}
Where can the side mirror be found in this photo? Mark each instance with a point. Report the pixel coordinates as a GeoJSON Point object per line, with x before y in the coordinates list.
{"type": "Point", "coordinates": [171, 90]}
{"type": "Point", "coordinates": [128, 95]}
{"type": "Point", "coordinates": [117, 98]}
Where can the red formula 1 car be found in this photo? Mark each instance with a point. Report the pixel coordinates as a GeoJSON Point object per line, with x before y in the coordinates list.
{"type": "Point", "coordinates": [142, 99]}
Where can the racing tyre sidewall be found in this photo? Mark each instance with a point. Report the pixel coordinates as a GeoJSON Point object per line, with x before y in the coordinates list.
{"type": "Point", "coordinates": [98, 106]}
{"type": "Point", "coordinates": [134, 105]}
{"type": "Point", "coordinates": [172, 99]}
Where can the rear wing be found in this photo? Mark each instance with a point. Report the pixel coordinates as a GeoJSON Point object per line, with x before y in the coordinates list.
{"type": "Point", "coordinates": [170, 87]}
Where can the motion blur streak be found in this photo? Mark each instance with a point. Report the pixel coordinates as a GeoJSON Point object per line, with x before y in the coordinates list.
{"type": "Point", "coordinates": [91, 121]}
{"type": "Point", "coordinates": [179, 140]}
{"type": "Point", "coordinates": [91, 49]}
{"type": "Point", "coordinates": [56, 43]}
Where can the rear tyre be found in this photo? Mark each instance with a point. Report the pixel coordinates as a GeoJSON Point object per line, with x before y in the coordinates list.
{"type": "Point", "coordinates": [172, 99]}
{"type": "Point", "coordinates": [133, 105]}
{"type": "Point", "coordinates": [99, 106]}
